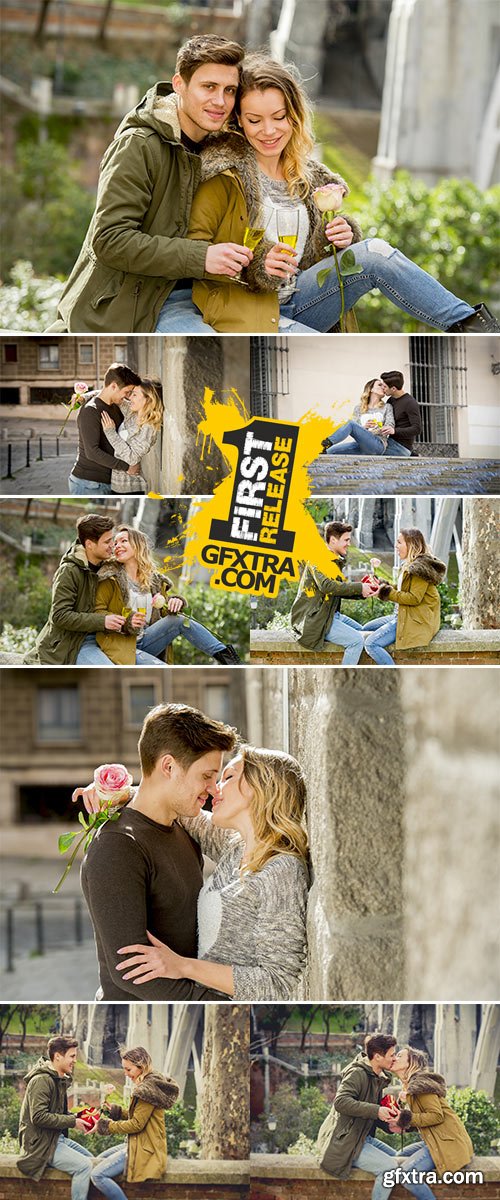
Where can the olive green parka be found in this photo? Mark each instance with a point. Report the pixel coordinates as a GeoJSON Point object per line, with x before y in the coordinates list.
{"type": "Point", "coordinates": [72, 613]}
{"type": "Point", "coordinates": [352, 1118]}
{"type": "Point", "coordinates": [44, 1116]}
{"type": "Point", "coordinates": [318, 599]}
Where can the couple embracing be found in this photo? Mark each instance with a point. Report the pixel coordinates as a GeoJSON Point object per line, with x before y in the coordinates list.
{"type": "Point", "coordinates": [212, 215]}
{"type": "Point", "coordinates": [117, 426]}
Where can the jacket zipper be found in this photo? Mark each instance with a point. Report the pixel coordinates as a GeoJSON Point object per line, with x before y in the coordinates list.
{"type": "Point", "coordinates": [136, 293]}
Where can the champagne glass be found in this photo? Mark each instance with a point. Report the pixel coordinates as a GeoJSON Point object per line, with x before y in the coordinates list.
{"type": "Point", "coordinates": [251, 238]}
{"type": "Point", "coordinates": [126, 611]}
{"type": "Point", "coordinates": [287, 224]}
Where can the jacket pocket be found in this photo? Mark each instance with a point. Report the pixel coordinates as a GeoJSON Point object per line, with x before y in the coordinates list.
{"type": "Point", "coordinates": [109, 287]}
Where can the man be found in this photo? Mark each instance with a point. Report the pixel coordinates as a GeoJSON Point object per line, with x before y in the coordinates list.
{"type": "Point", "coordinates": [143, 872]}
{"type": "Point", "coordinates": [44, 1120]}
{"type": "Point", "coordinates": [91, 474]}
{"type": "Point", "coordinates": [136, 246]}
{"type": "Point", "coordinates": [316, 615]}
{"type": "Point", "coordinates": [346, 1139]}
{"type": "Point", "coordinates": [72, 621]}
{"type": "Point", "coordinates": [408, 421]}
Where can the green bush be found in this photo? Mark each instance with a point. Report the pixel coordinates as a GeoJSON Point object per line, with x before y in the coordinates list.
{"type": "Point", "coordinates": [10, 1107]}
{"type": "Point", "coordinates": [29, 303]}
{"type": "Point", "coordinates": [45, 210]}
{"type": "Point", "coordinates": [450, 230]}
{"type": "Point", "coordinates": [296, 1112]}
{"type": "Point", "coordinates": [479, 1114]}
{"type": "Point", "coordinates": [25, 597]}
{"type": "Point", "coordinates": [225, 614]}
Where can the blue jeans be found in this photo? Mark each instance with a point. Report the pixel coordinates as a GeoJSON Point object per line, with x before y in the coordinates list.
{"type": "Point", "coordinates": [365, 442]}
{"type": "Point", "coordinates": [394, 449]}
{"type": "Point", "coordinates": [178, 314]}
{"type": "Point", "coordinates": [76, 1161]}
{"type": "Point", "coordinates": [385, 268]}
{"type": "Point", "coordinates": [110, 1163]}
{"type": "Point", "coordinates": [159, 635]}
{"type": "Point", "coordinates": [417, 1158]}
{"type": "Point", "coordinates": [384, 634]}
{"type": "Point", "coordinates": [376, 1158]}
{"type": "Point", "coordinates": [344, 631]}
{"type": "Point", "coordinates": [88, 487]}
{"type": "Point", "coordinates": [90, 655]}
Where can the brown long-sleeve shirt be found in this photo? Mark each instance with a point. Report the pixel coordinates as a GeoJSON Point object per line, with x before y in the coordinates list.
{"type": "Point", "coordinates": [95, 459]}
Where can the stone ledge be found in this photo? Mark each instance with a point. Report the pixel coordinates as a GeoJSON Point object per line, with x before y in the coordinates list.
{"type": "Point", "coordinates": [296, 1166]}
{"type": "Point", "coordinates": [179, 1170]}
{"type": "Point", "coordinates": [287, 1177]}
{"type": "Point", "coordinates": [449, 645]}
{"type": "Point", "coordinates": [348, 475]}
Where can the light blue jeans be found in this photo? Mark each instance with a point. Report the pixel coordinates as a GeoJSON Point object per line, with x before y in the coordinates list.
{"type": "Point", "coordinates": [109, 1164]}
{"type": "Point", "coordinates": [365, 442]}
{"type": "Point", "coordinates": [154, 641]}
{"type": "Point", "coordinates": [88, 487]}
{"type": "Point", "coordinates": [385, 268]}
{"type": "Point", "coordinates": [394, 449]}
{"type": "Point", "coordinates": [417, 1158]}
{"type": "Point", "coordinates": [384, 634]}
{"type": "Point", "coordinates": [344, 631]}
{"type": "Point", "coordinates": [178, 314]}
{"type": "Point", "coordinates": [376, 1158]}
{"type": "Point", "coordinates": [76, 1161]}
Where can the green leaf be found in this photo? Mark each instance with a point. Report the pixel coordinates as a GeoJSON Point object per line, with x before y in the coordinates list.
{"type": "Point", "coordinates": [82, 821]}
{"type": "Point", "coordinates": [65, 841]}
{"type": "Point", "coordinates": [322, 276]}
{"type": "Point", "coordinates": [348, 264]}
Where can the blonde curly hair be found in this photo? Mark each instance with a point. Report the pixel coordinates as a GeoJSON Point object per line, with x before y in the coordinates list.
{"type": "Point", "coordinates": [277, 807]}
{"type": "Point", "coordinates": [146, 568]}
{"type": "Point", "coordinates": [258, 75]}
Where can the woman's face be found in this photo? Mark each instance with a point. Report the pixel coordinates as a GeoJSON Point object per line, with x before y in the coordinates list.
{"type": "Point", "coordinates": [264, 121]}
{"type": "Point", "coordinates": [132, 1071]}
{"type": "Point", "coordinates": [378, 388]}
{"type": "Point", "coordinates": [137, 400]}
{"type": "Point", "coordinates": [401, 546]}
{"type": "Point", "coordinates": [400, 1063]}
{"type": "Point", "coordinates": [124, 552]}
{"type": "Point", "coordinates": [232, 795]}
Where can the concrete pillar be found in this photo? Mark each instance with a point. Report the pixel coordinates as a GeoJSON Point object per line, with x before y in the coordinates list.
{"type": "Point", "coordinates": [452, 831]}
{"type": "Point", "coordinates": [481, 540]}
{"type": "Point", "coordinates": [484, 1067]}
{"type": "Point", "coordinates": [185, 1024]}
{"type": "Point", "coordinates": [346, 729]}
{"type": "Point", "coordinates": [454, 1042]}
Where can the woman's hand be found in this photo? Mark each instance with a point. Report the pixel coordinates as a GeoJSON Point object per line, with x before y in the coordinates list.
{"type": "Point", "coordinates": [281, 261]}
{"type": "Point", "coordinates": [339, 233]}
{"type": "Point", "coordinates": [174, 604]}
{"type": "Point", "coordinates": [156, 961]}
{"type": "Point", "coordinates": [138, 620]}
{"type": "Point", "coordinates": [91, 802]}
{"type": "Point", "coordinates": [107, 422]}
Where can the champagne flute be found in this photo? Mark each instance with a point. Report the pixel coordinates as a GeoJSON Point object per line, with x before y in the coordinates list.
{"type": "Point", "coordinates": [126, 611]}
{"type": "Point", "coordinates": [287, 224]}
{"type": "Point", "coordinates": [251, 238]}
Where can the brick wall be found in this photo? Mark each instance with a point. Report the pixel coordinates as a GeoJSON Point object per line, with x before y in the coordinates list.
{"type": "Point", "coordinates": [279, 1177]}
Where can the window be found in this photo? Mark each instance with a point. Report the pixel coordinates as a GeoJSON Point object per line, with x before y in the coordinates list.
{"type": "Point", "coordinates": [216, 701]}
{"type": "Point", "coordinates": [142, 697]}
{"type": "Point", "coordinates": [120, 352]}
{"type": "Point", "coordinates": [48, 357]}
{"type": "Point", "coordinates": [86, 352]}
{"type": "Point", "coordinates": [58, 714]}
{"type": "Point", "coordinates": [10, 352]}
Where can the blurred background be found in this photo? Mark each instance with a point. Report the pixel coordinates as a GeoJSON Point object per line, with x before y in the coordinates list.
{"type": "Point", "coordinates": [406, 96]}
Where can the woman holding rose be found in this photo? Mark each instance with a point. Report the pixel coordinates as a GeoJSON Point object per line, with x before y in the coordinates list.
{"type": "Point", "coordinates": [257, 180]}
{"type": "Point", "coordinates": [372, 422]}
{"type": "Point", "coordinates": [130, 585]}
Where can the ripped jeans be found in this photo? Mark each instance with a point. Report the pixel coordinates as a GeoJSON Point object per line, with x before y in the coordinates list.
{"type": "Point", "coordinates": [385, 268]}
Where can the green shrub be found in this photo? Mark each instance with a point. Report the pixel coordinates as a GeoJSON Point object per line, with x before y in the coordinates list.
{"type": "Point", "coordinates": [479, 1114]}
{"type": "Point", "coordinates": [10, 1107]}
{"type": "Point", "coordinates": [25, 597]}
{"type": "Point", "coordinates": [45, 210]}
{"type": "Point", "coordinates": [29, 303]}
{"type": "Point", "coordinates": [296, 1112]}
{"type": "Point", "coordinates": [225, 614]}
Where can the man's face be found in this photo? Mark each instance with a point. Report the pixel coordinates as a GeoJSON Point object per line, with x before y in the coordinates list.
{"type": "Point", "coordinates": [386, 1061]}
{"type": "Point", "coordinates": [340, 545]}
{"type": "Point", "coordinates": [102, 549]}
{"type": "Point", "coordinates": [207, 100]}
{"type": "Point", "coordinates": [191, 787]}
{"type": "Point", "coordinates": [125, 393]}
{"type": "Point", "coordinates": [65, 1063]}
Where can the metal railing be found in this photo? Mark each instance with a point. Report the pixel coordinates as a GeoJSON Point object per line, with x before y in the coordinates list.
{"type": "Point", "coordinates": [35, 927]}
{"type": "Point", "coordinates": [438, 381]}
{"type": "Point", "coordinates": [269, 374]}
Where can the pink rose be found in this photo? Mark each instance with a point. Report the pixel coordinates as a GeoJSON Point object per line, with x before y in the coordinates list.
{"type": "Point", "coordinates": [374, 563]}
{"type": "Point", "coordinates": [329, 198]}
{"type": "Point", "coordinates": [81, 388]}
{"type": "Point", "coordinates": [112, 783]}
{"type": "Point", "coordinates": [158, 600]}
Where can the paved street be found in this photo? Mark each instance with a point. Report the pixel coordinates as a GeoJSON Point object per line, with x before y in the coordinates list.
{"type": "Point", "coordinates": [59, 975]}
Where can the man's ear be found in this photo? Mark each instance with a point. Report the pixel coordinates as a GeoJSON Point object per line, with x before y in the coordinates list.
{"type": "Point", "coordinates": [177, 82]}
{"type": "Point", "coordinates": [166, 765]}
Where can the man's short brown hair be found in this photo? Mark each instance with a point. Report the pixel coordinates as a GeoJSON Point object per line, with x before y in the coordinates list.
{"type": "Point", "coordinates": [207, 48]}
{"type": "Point", "coordinates": [393, 379]}
{"type": "Point", "coordinates": [122, 375]}
{"type": "Point", "coordinates": [336, 529]}
{"type": "Point", "coordinates": [378, 1043]}
{"type": "Point", "coordinates": [60, 1045]}
{"type": "Point", "coordinates": [91, 527]}
{"type": "Point", "coordinates": [182, 731]}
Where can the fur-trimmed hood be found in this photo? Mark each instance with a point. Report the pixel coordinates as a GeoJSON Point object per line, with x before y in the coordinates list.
{"type": "Point", "coordinates": [423, 1082]}
{"type": "Point", "coordinates": [112, 569]}
{"type": "Point", "coordinates": [230, 153]}
{"type": "Point", "coordinates": [156, 111]}
{"type": "Point", "coordinates": [160, 1090]}
{"type": "Point", "coordinates": [427, 567]}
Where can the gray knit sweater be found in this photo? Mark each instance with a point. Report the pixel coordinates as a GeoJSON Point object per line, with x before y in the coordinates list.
{"type": "Point", "coordinates": [256, 924]}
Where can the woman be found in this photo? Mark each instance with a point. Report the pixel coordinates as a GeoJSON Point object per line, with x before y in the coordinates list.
{"type": "Point", "coordinates": [248, 178]}
{"type": "Point", "coordinates": [372, 422]}
{"type": "Point", "coordinates": [419, 605]}
{"type": "Point", "coordinates": [144, 1154]}
{"type": "Point", "coordinates": [131, 586]}
{"type": "Point", "coordinates": [446, 1145]}
{"type": "Point", "coordinates": [252, 910]}
{"type": "Point", "coordinates": [142, 420]}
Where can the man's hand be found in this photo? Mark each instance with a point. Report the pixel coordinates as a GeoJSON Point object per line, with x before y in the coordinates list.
{"type": "Point", "coordinates": [281, 261]}
{"type": "Point", "coordinates": [367, 590]}
{"type": "Point", "coordinates": [227, 258]}
{"type": "Point", "coordinates": [134, 469]}
{"type": "Point", "coordinates": [175, 604]}
{"type": "Point", "coordinates": [384, 1114]}
{"type": "Point", "coordinates": [113, 621]}
{"type": "Point", "coordinates": [388, 429]}
{"type": "Point", "coordinates": [81, 1127]}
{"type": "Point", "coordinates": [339, 233]}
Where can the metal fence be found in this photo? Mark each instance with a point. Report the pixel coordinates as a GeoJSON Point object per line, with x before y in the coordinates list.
{"type": "Point", "coordinates": [438, 380]}
{"type": "Point", "coordinates": [269, 374]}
{"type": "Point", "coordinates": [34, 927]}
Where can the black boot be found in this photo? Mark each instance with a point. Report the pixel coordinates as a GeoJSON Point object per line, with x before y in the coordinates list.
{"type": "Point", "coordinates": [482, 321]}
{"type": "Point", "coordinates": [326, 443]}
{"type": "Point", "coordinates": [228, 655]}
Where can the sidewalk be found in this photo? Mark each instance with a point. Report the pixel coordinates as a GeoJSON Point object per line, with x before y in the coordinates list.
{"type": "Point", "coordinates": [59, 976]}
{"type": "Point", "coordinates": [46, 478]}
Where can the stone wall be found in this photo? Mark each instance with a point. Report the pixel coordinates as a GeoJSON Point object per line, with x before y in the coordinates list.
{"type": "Point", "coordinates": [481, 541]}
{"type": "Point", "coordinates": [280, 1177]}
{"type": "Point", "coordinates": [184, 1180]}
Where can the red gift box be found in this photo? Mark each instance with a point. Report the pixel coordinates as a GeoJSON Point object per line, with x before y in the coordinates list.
{"type": "Point", "coordinates": [90, 1117]}
{"type": "Point", "coordinates": [372, 581]}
